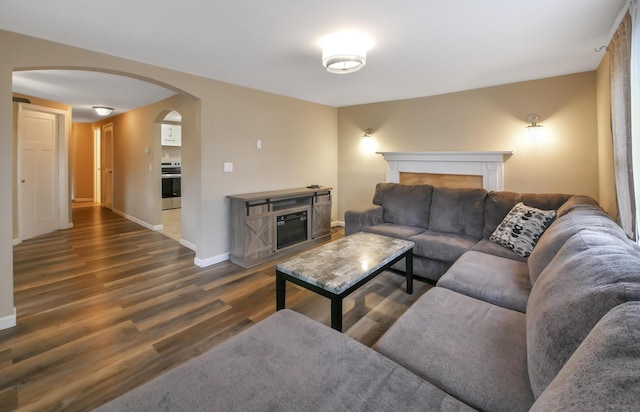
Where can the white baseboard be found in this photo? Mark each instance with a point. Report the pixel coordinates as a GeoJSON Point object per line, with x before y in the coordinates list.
{"type": "Point", "coordinates": [136, 220]}
{"type": "Point", "coordinates": [7, 322]}
{"type": "Point", "coordinates": [188, 244]}
{"type": "Point", "coordinates": [17, 241]}
{"type": "Point", "coordinates": [337, 223]}
{"type": "Point", "coordinates": [211, 261]}
{"type": "Point", "coordinates": [83, 199]}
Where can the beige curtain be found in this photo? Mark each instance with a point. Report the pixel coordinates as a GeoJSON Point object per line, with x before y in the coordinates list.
{"type": "Point", "coordinates": [620, 52]}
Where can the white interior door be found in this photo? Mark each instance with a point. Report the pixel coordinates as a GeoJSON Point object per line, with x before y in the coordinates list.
{"type": "Point", "coordinates": [107, 165]}
{"type": "Point", "coordinates": [37, 173]}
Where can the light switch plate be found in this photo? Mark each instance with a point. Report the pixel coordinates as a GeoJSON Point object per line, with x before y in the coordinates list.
{"type": "Point", "coordinates": [228, 167]}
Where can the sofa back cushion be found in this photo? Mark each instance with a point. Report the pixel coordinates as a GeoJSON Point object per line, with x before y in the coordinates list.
{"type": "Point", "coordinates": [591, 274]}
{"type": "Point", "coordinates": [578, 202]}
{"type": "Point", "coordinates": [604, 372]}
{"type": "Point", "coordinates": [498, 204]}
{"type": "Point", "coordinates": [404, 204]}
{"type": "Point", "coordinates": [458, 211]}
{"type": "Point", "coordinates": [586, 217]}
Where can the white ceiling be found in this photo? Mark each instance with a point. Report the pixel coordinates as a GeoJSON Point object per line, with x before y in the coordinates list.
{"type": "Point", "coordinates": [420, 47]}
{"type": "Point", "coordinates": [83, 90]}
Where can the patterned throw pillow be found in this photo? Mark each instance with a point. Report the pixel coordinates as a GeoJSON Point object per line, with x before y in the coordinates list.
{"type": "Point", "coordinates": [522, 227]}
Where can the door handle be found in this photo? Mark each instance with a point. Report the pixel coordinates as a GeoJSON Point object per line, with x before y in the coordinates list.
{"type": "Point", "coordinates": [23, 180]}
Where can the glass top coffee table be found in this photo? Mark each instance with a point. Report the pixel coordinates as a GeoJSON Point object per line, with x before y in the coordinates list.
{"type": "Point", "coordinates": [336, 269]}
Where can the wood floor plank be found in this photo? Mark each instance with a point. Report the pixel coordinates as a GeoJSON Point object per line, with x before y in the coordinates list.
{"type": "Point", "coordinates": [108, 305]}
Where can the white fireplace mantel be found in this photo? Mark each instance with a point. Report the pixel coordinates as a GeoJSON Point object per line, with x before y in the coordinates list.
{"type": "Point", "coordinates": [489, 165]}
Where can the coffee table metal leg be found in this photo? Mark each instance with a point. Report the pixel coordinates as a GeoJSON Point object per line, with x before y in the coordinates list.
{"type": "Point", "coordinates": [409, 271]}
{"type": "Point", "coordinates": [336, 313]}
{"type": "Point", "coordinates": [281, 289]}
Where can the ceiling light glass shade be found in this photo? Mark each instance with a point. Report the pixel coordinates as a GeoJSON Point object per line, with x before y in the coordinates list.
{"type": "Point", "coordinates": [103, 110]}
{"type": "Point", "coordinates": [344, 52]}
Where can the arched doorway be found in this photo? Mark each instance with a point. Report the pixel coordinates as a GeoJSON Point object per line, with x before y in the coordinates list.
{"type": "Point", "coordinates": [171, 175]}
{"type": "Point", "coordinates": [137, 186]}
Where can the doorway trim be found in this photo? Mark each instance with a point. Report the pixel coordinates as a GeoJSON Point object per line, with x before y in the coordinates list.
{"type": "Point", "coordinates": [61, 148]}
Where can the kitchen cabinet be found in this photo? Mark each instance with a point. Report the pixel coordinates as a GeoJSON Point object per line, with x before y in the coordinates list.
{"type": "Point", "coordinates": [171, 134]}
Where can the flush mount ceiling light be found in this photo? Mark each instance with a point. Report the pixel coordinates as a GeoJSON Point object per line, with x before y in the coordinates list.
{"type": "Point", "coordinates": [103, 110]}
{"type": "Point", "coordinates": [344, 52]}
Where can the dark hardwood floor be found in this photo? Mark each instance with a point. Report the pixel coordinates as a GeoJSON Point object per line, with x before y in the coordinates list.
{"type": "Point", "coordinates": [109, 305]}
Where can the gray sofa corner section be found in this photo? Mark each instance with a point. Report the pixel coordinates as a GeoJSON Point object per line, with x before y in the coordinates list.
{"type": "Point", "coordinates": [288, 362]}
{"type": "Point", "coordinates": [604, 372]}
{"type": "Point", "coordinates": [591, 274]}
{"type": "Point", "coordinates": [494, 279]}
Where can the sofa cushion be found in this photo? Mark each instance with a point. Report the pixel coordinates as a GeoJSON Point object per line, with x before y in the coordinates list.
{"type": "Point", "coordinates": [471, 349]}
{"type": "Point", "coordinates": [592, 273]}
{"type": "Point", "coordinates": [404, 204]}
{"type": "Point", "coordinates": [498, 204]}
{"type": "Point", "coordinates": [287, 363]}
{"type": "Point", "coordinates": [522, 227]}
{"type": "Point", "coordinates": [446, 247]}
{"type": "Point", "coordinates": [604, 372]}
{"type": "Point", "coordinates": [457, 211]}
{"type": "Point", "coordinates": [391, 230]}
{"type": "Point", "coordinates": [492, 248]}
{"type": "Point", "coordinates": [503, 282]}
{"type": "Point", "coordinates": [585, 217]}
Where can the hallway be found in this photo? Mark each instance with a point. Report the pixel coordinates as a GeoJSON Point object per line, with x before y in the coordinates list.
{"type": "Point", "coordinates": [109, 305]}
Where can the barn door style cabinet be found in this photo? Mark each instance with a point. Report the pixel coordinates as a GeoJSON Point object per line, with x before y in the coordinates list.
{"type": "Point", "coordinates": [267, 225]}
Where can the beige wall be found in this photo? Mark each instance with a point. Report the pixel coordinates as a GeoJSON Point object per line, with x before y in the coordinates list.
{"type": "Point", "coordinates": [299, 145]}
{"type": "Point", "coordinates": [607, 186]}
{"type": "Point", "coordinates": [493, 118]}
{"type": "Point", "coordinates": [82, 161]}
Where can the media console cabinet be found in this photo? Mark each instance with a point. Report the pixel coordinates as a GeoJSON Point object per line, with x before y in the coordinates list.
{"type": "Point", "coordinates": [267, 225]}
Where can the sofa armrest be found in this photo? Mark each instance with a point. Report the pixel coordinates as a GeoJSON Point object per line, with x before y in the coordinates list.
{"type": "Point", "coordinates": [357, 219]}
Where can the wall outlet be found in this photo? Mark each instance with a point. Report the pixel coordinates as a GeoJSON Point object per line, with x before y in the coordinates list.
{"type": "Point", "coordinates": [258, 144]}
{"type": "Point", "coordinates": [228, 167]}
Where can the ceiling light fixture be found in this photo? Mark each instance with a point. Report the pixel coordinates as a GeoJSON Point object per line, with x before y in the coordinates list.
{"type": "Point", "coordinates": [103, 110]}
{"type": "Point", "coordinates": [344, 52]}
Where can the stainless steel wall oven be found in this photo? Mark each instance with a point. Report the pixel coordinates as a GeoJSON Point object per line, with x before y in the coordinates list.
{"type": "Point", "coordinates": [171, 185]}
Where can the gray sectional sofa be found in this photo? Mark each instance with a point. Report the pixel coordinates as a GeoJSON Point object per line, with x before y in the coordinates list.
{"type": "Point", "coordinates": [444, 223]}
{"type": "Point", "coordinates": [554, 329]}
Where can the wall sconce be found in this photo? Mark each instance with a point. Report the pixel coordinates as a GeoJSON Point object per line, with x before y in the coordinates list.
{"type": "Point", "coordinates": [534, 130]}
{"type": "Point", "coordinates": [344, 52]}
{"type": "Point", "coordinates": [103, 110]}
{"type": "Point", "coordinates": [367, 143]}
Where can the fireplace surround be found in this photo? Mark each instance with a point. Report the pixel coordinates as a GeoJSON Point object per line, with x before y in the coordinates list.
{"type": "Point", "coordinates": [487, 164]}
